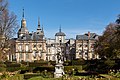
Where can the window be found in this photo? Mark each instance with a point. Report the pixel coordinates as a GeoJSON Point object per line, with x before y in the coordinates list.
{"type": "Point", "coordinates": [21, 55]}
{"type": "Point", "coordinates": [51, 44]}
{"type": "Point", "coordinates": [40, 45]}
{"type": "Point", "coordinates": [93, 56]}
{"type": "Point", "coordinates": [34, 54]}
{"type": "Point", "coordinates": [86, 46]}
{"type": "Point", "coordinates": [20, 47]}
{"type": "Point", "coordinates": [80, 52]}
{"type": "Point", "coordinates": [34, 45]}
{"type": "Point", "coordinates": [49, 51]}
{"type": "Point", "coordinates": [92, 45]}
{"type": "Point", "coordinates": [53, 58]}
{"type": "Point", "coordinates": [27, 47]}
{"type": "Point", "coordinates": [27, 56]}
{"type": "Point", "coordinates": [80, 45]}
{"type": "Point", "coordinates": [60, 41]}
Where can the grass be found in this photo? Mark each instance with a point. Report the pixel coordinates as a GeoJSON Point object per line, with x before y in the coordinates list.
{"type": "Point", "coordinates": [72, 78]}
{"type": "Point", "coordinates": [14, 77]}
{"type": "Point", "coordinates": [41, 78]}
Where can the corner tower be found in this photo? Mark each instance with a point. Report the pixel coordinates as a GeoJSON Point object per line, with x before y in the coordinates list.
{"type": "Point", "coordinates": [23, 30]}
{"type": "Point", "coordinates": [40, 31]}
{"type": "Point", "coordinates": [60, 36]}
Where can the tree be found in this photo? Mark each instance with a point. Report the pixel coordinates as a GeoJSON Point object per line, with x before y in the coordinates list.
{"type": "Point", "coordinates": [8, 27]}
{"type": "Point", "coordinates": [108, 45]}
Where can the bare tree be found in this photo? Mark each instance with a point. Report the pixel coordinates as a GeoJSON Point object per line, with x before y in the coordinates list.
{"type": "Point", "coordinates": [8, 27]}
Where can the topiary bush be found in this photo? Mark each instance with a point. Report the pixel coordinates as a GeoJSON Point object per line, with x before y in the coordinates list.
{"type": "Point", "coordinates": [13, 65]}
{"type": "Point", "coordinates": [78, 62]}
{"type": "Point", "coordinates": [37, 64]}
{"type": "Point", "coordinates": [43, 68]}
{"type": "Point", "coordinates": [69, 69]}
{"type": "Point", "coordinates": [27, 76]}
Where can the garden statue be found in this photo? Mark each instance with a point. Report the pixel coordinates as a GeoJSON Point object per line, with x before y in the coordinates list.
{"type": "Point", "coordinates": [59, 68]}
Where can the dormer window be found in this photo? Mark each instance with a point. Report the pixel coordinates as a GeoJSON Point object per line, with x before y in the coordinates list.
{"type": "Point", "coordinates": [34, 45]}
{"type": "Point", "coordinates": [37, 32]}
{"type": "Point", "coordinates": [40, 45]}
{"type": "Point", "coordinates": [60, 41]}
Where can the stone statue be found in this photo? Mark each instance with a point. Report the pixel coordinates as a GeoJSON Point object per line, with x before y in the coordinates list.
{"type": "Point", "coordinates": [58, 57]}
{"type": "Point", "coordinates": [59, 68]}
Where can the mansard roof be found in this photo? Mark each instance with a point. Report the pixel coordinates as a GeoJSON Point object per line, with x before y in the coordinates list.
{"type": "Point", "coordinates": [23, 30]}
{"type": "Point", "coordinates": [86, 37]}
{"type": "Point", "coordinates": [60, 34]}
{"type": "Point", "coordinates": [31, 36]}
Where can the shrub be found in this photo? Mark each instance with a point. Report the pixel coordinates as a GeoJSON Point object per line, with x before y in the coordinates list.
{"type": "Point", "coordinates": [27, 76]}
{"type": "Point", "coordinates": [12, 69]}
{"type": "Point", "coordinates": [69, 69]}
{"type": "Point", "coordinates": [13, 65]}
{"type": "Point", "coordinates": [2, 69]}
{"type": "Point", "coordinates": [52, 63]}
{"type": "Point", "coordinates": [109, 63]}
{"type": "Point", "coordinates": [37, 64]}
{"type": "Point", "coordinates": [43, 68]}
{"type": "Point", "coordinates": [2, 65]}
{"type": "Point", "coordinates": [78, 62]}
{"type": "Point", "coordinates": [67, 63]}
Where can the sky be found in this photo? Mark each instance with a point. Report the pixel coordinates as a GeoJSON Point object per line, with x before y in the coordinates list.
{"type": "Point", "coordinates": [76, 17]}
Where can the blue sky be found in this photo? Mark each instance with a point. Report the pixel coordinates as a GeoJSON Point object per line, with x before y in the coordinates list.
{"type": "Point", "coordinates": [75, 16]}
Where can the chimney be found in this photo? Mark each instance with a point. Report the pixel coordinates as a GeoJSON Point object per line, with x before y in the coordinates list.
{"type": "Point", "coordinates": [88, 35]}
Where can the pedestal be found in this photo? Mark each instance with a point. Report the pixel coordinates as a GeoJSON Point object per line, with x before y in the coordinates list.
{"type": "Point", "coordinates": [59, 70]}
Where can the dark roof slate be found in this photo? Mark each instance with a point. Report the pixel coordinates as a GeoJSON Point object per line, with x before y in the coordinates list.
{"type": "Point", "coordinates": [85, 36]}
{"type": "Point", "coordinates": [60, 34]}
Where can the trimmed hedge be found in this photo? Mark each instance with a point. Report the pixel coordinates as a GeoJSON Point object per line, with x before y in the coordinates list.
{"type": "Point", "coordinates": [52, 63]}
{"type": "Point", "coordinates": [70, 68]}
{"type": "Point", "coordinates": [43, 68]}
{"type": "Point", "coordinates": [27, 76]}
{"type": "Point", "coordinates": [78, 62]}
{"type": "Point", "coordinates": [13, 65]}
{"type": "Point", "coordinates": [37, 64]}
{"type": "Point", "coordinates": [12, 69]}
{"type": "Point", "coordinates": [67, 63]}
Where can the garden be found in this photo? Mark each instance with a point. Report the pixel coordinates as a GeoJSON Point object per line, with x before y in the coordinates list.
{"type": "Point", "coordinates": [74, 70]}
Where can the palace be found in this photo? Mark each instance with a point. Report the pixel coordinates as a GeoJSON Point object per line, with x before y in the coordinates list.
{"type": "Point", "coordinates": [34, 46]}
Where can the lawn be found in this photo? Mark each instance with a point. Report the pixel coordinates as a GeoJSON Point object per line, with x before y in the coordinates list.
{"type": "Point", "coordinates": [72, 78]}
{"type": "Point", "coordinates": [41, 78]}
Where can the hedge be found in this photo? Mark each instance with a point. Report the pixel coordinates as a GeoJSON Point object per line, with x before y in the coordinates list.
{"type": "Point", "coordinates": [70, 68]}
{"type": "Point", "coordinates": [2, 69]}
{"type": "Point", "coordinates": [37, 64]}
{"type": "Point", "coordinates": [13, 65]}
{"type": "Point", "coordinates": [78, 62]}
{"type": "Point", "coordinates": [43, 68]}
{"type": "Point", "coordinates": [2, 65]}
{"type": "Point", "coordinates": [27, 76]}
{"type": "Point", "coordinates": [12, 69]}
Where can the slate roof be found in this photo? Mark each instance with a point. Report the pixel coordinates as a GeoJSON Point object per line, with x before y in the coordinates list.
{"type": "Point", "coordinates": [31, 36]}
{"type": "Point", "coordinates": [22, 30]}
{"type": "Point", "coordinates": [85, 36]}
{"type": "Point", "coordinates": [60, 34]}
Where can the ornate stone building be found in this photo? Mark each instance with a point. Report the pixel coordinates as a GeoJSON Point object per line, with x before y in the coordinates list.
{"type": "Point", "coordinates": [85, 46]}
{"type": "Point", "coordinates": [60, 41]}
{"type": "Point", "coordinates": [33, 46]}
{"type": "Point", "coordinates": [29, 46]}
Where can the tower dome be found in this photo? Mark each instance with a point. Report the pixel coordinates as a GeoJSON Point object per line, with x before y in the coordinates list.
{"type": "Point", "coordinates": [60, 33]}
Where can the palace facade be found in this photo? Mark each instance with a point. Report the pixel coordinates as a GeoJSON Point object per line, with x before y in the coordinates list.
{"type": "Point", "coordinates": [34, 46]}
